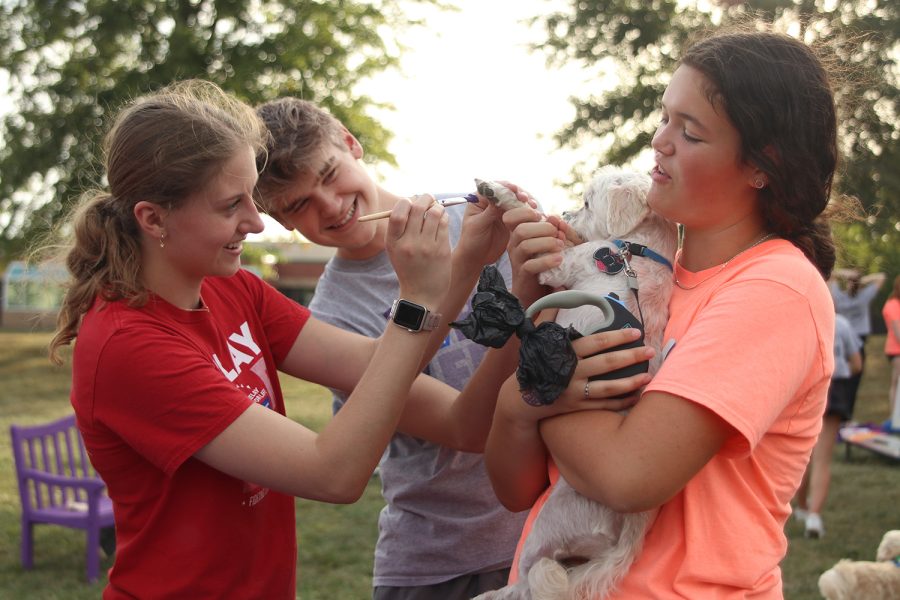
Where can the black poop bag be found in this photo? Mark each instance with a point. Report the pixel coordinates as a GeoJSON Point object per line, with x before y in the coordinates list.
{"type": "Point", "coordinates": [546, 357]}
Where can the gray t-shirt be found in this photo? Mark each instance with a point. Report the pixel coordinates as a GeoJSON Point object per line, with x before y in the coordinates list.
{"type": "Point", "coordinates": [855, 308]}
{"type": "Point", "coordinates": [846, 344]}
{"type": "Point", "coordinates": [442, 519]}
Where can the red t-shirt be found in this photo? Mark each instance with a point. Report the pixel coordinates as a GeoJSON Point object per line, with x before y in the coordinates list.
{"type": "Point", "coordinates": [153, 385]}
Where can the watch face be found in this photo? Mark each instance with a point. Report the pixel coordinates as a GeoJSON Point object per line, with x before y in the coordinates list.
{"type": "Point", "coordinates": [409, 315]}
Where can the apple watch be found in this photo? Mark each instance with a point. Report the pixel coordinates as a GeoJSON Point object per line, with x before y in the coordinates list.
{"type": "Point", "coordinates": [412, 316]}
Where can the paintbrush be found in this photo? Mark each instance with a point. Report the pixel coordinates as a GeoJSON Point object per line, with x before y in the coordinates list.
{"type": "Point", "coordinates": [445, 203]}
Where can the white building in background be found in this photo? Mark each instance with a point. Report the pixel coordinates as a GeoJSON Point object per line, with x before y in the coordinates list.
{"type": "Point", "coordinates": [296, 268]}
{"type": "Point", "coordinates": [31, 295]}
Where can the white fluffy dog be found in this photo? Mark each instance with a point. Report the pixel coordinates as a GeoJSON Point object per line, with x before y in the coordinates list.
{"type": "Point", "coordinates": [578, 548]}
{"type": "Point", "coordinates": [615, 208]}
{"type": "Point", "coordinates": [866, 580]}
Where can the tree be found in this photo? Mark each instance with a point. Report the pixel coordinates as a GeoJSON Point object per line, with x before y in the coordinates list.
{"type": "Point", "coordinates": [70, 63]}
{"type": "Point", "coordinates": [640, 41]}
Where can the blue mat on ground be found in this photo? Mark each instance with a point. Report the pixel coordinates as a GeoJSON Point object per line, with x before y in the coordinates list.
{"type": "Point", "coordinates": [875, 438]}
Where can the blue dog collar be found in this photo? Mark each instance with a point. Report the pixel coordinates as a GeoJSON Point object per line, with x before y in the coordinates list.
{"type": "Point", "coordinates": [642, 250]}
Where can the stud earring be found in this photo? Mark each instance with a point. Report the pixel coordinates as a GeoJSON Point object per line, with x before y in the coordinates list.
{"type": "Point", "coordinates": [759, 183]}
{"type": "Point", "coordinates": [162, 240]}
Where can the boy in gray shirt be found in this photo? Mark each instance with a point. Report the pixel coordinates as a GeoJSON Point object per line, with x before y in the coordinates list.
{"type": "Point", "coordinates": [443, 534]}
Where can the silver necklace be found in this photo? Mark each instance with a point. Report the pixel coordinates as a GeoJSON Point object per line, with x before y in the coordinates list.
{"type": "Point", "coordinates": [724, 264]}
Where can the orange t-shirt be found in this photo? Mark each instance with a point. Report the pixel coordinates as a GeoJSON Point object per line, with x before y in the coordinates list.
{"type": "Point", "coordinates": [752, 343]}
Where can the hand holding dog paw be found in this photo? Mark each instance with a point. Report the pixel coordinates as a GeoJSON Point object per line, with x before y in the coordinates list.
{"type": "Point", "coordinates": [568, 233]}
{"type": "Point", "coordinates": [534, 247]}
{"type": "Point", "coordinates": [484, 237]}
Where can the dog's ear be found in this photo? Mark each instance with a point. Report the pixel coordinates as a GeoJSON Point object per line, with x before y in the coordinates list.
{"type": "Point", "coordinates": [627, 207]}
{"type": "Point", "coordinates": [889, 546]}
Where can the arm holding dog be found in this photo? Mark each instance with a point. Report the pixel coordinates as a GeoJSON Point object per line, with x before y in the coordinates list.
{"type": "Point", "coordinates": [639, 461]}
{"type": "Point", "coordinates": [690, 414]}
{"type": "Point", "coordinates": [515, 455]}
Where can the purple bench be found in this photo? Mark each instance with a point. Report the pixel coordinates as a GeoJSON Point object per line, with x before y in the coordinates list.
{"type": "Point", "coordinates": [58, 486]}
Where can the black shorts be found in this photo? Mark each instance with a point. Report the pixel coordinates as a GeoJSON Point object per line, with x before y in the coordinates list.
{"type": "Point", "coordinates": [840, 399]}
{"type": "Point", "coordinates": [459, 588]}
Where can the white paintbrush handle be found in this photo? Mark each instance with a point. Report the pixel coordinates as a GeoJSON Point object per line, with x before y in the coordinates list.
{"type": "Point", "coordinates": [386, 213]}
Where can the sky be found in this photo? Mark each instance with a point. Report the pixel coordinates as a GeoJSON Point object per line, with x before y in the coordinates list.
{"type": "Point", "coordinates": [473, 101]}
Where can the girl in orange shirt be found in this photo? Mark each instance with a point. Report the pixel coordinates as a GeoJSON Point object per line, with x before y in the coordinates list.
{"type": "Point", "coordinates": [745, 155]}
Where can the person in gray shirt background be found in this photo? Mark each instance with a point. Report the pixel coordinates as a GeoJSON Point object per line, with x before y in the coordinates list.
{"type": "Point", "coordinates": [853, 294]}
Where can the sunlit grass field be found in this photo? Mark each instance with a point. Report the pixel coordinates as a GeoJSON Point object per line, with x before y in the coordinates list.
{"type": "Point", "coordinates": [337, 542]}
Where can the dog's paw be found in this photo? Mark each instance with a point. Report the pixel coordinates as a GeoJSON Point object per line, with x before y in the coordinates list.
{"type": "Point", "coordinates": [498, 194]}
{"type": "Point", "coordinates": [554, 277]}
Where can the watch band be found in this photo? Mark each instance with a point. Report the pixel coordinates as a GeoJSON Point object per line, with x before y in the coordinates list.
{"type": "Point", "coordinates": [412, 316]}
{"type": "Point", "coordinates": [432, 320]}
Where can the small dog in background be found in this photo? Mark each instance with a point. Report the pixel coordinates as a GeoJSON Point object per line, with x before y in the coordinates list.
{"type": "Point", "coordinates": [578, 548]}
{"type": "Point", "coordinates": [863, 579]}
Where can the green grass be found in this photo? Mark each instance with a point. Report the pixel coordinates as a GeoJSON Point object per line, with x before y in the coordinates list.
{"type": "Point", "coordinates": [337, 542]}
